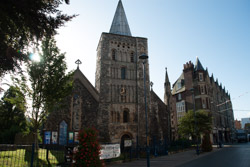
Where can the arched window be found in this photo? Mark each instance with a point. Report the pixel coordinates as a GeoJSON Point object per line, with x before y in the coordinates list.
{"type": "Point", "coordinates": [63, 133]}
{"type": "Point", "coordinates": [132, 57]}
{"type": "Point", "coordinates": [125, 116]}
{"type": "Point", "coordinates": [113, 54]}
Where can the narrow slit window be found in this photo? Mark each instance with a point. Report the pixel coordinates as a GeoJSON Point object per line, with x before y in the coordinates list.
{"type": "Point", "coordinates": [123, 73]}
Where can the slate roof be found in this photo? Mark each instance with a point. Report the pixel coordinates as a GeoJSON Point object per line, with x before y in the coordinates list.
{"type": "Point", "coordinates": [120, 24]}
{"type": "Point", "coordinates": [198, 66]}
{"type": "Point", "coordinates": [79, 75]}
{"type": "Point", "coordinates": [177, 90]}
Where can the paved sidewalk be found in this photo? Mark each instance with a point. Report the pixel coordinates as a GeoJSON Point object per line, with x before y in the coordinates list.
{"type": "Point", "coordinates": [165, 161]}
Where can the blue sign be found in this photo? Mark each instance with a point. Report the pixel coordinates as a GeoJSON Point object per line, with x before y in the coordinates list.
{"type": "Point", "coordinates": [47, 136]}
{"type": "Point", "coordinates": [63, 133]}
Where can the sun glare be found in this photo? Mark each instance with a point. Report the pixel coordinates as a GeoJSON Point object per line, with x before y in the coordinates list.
{"type": "Point", "coordinates": [35, 57]}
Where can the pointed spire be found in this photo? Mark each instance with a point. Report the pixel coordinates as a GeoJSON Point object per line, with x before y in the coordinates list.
{"type": "Point", "coordinates": [120, 24]}
{"type": "Point", "coordinates": [212, 78]}
{"type": "Point", "coordinates": [166, 76]}
{"type": "Point", "coordinates": [198, 66]}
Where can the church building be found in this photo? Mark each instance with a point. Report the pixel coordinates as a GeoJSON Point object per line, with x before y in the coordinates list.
{"type": "Point", "coordinates": [115, 106]}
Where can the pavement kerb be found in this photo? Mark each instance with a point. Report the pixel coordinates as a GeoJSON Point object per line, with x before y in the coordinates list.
{"type": "Point", "coordinates": [171, 160]}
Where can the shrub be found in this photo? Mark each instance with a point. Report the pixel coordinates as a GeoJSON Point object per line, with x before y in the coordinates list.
{"type": "Point", "coordinates": [88, 152]}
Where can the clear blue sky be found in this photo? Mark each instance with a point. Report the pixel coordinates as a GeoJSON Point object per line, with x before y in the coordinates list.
{"type": "Point", "coordinates": [217, 31]}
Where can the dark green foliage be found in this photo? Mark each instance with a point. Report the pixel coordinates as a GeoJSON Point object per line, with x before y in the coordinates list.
{"type": "Point", "coordinates": [24, 22]}
{"type": "Point", "coordinates": [247, 126]}
{"type": "Point", "coordinates": [195, 124]}
{"type": "Point", "coordinates": [88, 153]}
{"type": "Point", "coordinates": [206, 145]}
{"type": "Point", "coordinates": [12, 114]}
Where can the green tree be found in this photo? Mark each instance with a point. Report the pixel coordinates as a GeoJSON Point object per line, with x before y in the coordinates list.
{"type": "Point", "coordinates": [88, 153]}
{"type": "Point", "coordinates": [12, 114]}
{"type": "Point", "coordinates": [24, 22]}
{"type": "Point", "coordinates": [195, 125]}
{"type": "Point", "coordinates": [247, 127]}
{"type": "Point", "coordinates": [50, 83]}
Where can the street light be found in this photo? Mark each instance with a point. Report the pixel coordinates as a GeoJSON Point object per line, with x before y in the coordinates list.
{"type": "Point", "coordinates": [217, 126]}
{"type": "Point", "coordinates": [144, 58]}
{"type": "Point", "coordinates": [195, 120]}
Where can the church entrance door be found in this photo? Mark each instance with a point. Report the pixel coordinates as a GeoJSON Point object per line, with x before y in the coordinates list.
{"type": "Point", "coordinates": [126, 142]}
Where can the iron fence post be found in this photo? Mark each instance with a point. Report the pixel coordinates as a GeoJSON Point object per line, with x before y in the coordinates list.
{"type": "Point", "coordinates": [32, 155]}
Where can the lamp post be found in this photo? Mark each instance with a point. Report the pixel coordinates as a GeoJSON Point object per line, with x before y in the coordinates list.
{"type": "Point", "coordinates": [195, 120]}
{"type": "Point", "coordinates": [228, 124]}
{"type": "Point", "coordinates": [217, 126]}
{"type": "Point", "coordinates": [144, 58]}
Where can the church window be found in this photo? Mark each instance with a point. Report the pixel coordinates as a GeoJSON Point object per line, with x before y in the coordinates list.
{"type": "Point", "coordinates": [123, 73]}
{"type": "Point", "coordinates": [118, 117]}
{"type": "Point", "coordinates": [125, 116]}
{"type": "Point", "coordinates": [113, 54]}
{"type": "Point", "coordinates": [63, 133]}
{"type": "Point", "coordinates": [132, 57]}
{"type": "Point", "coordinates": [76, 120]}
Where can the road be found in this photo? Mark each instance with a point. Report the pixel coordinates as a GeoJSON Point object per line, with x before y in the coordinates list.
{"type": "Point", "coordinates": [231, 156]}
{"type": "Point", "coordinates": [237, 155]}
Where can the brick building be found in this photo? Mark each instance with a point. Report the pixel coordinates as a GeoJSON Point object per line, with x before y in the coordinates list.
{"type": "Point", "coordinates": [237, 124]}
{"type": "Point", "coordinates": [209, 96]}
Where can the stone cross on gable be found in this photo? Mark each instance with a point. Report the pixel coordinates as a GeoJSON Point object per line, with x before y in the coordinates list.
{"type": "Point", "coordinates": [78, 62]}
{"type": "Point", "coordinates": [151, 84]}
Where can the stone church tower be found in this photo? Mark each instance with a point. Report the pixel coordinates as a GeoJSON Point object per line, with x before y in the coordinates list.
{"type": "Point", "coordinates": [116, 105]}
{"type": "Point", "coordinates": [119, 81]}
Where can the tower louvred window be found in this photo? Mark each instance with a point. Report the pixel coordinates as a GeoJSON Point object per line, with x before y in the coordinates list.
{"type": "Point", "coordinates": [132, 57]}
{"type": "Point", "coordinates": [123, 73]}
{"type": "Point", "coordinates": [113, 54]}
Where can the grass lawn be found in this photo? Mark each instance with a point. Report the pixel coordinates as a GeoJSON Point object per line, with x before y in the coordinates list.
{"type": "Point", "coordinates": [22, 157]}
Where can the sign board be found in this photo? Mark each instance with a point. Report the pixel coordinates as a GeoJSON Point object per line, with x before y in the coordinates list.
{"type": "Point", "coordinates": [71, 137]}
{"type": "Point", "coordinates": [47, 136]}
{"type": "Point", "coordinates": [127, 143]}
{"type": "Point", "coordinates": [76, 137]}
{"type": "Point", "coordinates": [69, 154]}
{"type": "Point", "coordinates": [109, 151]}
{"type": "Point", "coordinates": [54, 137]}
